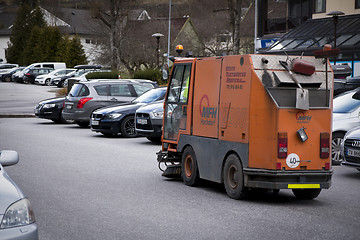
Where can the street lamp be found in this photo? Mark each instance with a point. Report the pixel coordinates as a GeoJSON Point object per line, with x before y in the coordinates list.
{"type": "Point", "coordinates": [335, 15]}
{"type": "Point", "coordinates": [158, 36]}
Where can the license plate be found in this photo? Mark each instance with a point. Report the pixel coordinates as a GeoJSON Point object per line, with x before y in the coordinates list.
{"type": "Point", "coordinates": [68, 106]}
{"type": "Point", "coordinates": [94, 122]}
{"type": "Point", "coordinates": [353, 153]}
{"type": "Point", "coordinates": [141, 121]}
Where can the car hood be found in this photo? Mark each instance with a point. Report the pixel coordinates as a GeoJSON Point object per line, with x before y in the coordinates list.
{"type": "Point", "coordinates": [53, 100]}
{"type": "Point", "coordinates": [151, 106]}
{"type": "Point", "coordinates": [340, 116]}
{"type": "Point", "coordinates": [9, 191]}
{"type": "Point", "coordinates": [118, 108]}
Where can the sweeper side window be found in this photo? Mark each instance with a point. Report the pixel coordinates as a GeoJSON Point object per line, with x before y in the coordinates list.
{"type": "Point", "coordinates": [176, 101]}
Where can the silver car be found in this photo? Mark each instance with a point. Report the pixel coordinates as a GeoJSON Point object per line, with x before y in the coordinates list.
{"type": "Point", "coordinates": [346, 116]}
{"type": "Point", "coordinates": [87, 96]}
{"type": "Point", "coordinates": [351, 149]}
{"type": "Point", "coordinates": [17, 221]}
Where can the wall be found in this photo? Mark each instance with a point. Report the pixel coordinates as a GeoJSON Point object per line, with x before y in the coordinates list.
{"type": "Point", "coordinates": [345, 6]}
{"type": "Point", "coordinates": [3, 45]}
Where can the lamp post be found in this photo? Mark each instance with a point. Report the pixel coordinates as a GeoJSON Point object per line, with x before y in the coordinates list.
{"type": "Point", "coordinates": [158, 36]}
{"type": "Point", "coordinates": [335, 15]}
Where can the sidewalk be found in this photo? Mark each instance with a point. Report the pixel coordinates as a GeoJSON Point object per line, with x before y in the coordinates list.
{"type": "Point", "coordinates": [19, 100]}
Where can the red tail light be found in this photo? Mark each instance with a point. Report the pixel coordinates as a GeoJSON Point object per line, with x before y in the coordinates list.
{"type": "Point", "coordinates": [324, 145]}
{"type": "Point", "coordinates": [282, 144]}
{"type": "Point", "coordinates": [82, 102]}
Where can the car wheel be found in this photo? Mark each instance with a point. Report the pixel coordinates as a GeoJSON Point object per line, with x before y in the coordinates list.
{"type": "Point", "coordinates": [306, 194]}
{"type": "Point", "coordinates": [25, 81]}
{"type": "Point", "coordinates": [82, 124]}
{"type": "Point", "coordinates": [234, 177]}
{"type": "Point", "coordinates": [7, 79]}
{"type": "Point", "coordinates": [47, 82]}
{"type": "Point", "coordinates": [65, 83]}
{"type": "Point", "coordinates": [189, 167]}
{"type": "Point", "coordinates": [337, 139]}
{"type": "Point", "coordinates": [127, 127]}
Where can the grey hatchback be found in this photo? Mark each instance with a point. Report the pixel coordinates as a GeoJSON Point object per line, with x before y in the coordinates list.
{"type": "Point", "coordinates": [87, 96]}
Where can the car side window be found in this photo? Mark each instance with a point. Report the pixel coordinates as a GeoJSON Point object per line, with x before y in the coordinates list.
{"type": "Point", "coordinates": [49, 65]}
{"type": "Point", "coordinates": [84, 91]}
{"type": "Point", "coordinates": [102, 90]}
{"type": "Point", "coordinates": [141, 88]}
{"type": "Point", "coordinates": [120, 90]}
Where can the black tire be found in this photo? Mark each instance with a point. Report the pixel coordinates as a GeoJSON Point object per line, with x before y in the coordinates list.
{"type": "Point", "coordinates": [83, 124]}
{"type": "Point", "coordinates": [189, 167]}
{"type": "Point", "coordinates": [127, 127]}
{"type": "Point", "coordinates": [306, 194]}
{"type": "Point", "coordinates": [7, 79]}
{"type": "Point", "coordinates": [25, 81]}
{"type": "Point", "coordinates": [154, 139]}
{"type": "Point", "coordinates": [234, 177]}
{"type": "Point", "coordinates": [47, 82]}
{"type": "Point", "coordinates": [337, 139]}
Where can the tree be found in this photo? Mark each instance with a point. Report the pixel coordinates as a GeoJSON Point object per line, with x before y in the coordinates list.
{"type": "Point", "coordinates": [27, 17]}
{"type": "Point", "coordinates": [113, 14]}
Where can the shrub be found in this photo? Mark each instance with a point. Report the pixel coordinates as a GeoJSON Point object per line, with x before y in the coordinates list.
{"type": "Point", "coordinates": [150, 74]}
{"type": "Point", "coordinates": [103, 75]}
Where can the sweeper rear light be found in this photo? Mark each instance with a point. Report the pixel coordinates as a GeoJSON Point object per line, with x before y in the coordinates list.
{"type": "Point", "coordinates": [282, 144]}
{"type": "Point", "coordinates": [324, 145]}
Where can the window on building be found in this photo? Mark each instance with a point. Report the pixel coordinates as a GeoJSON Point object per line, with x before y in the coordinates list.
{"type": "Point", "coordinates": [357, 3]}
{"type": "Point", "coordinates": [319, 6]}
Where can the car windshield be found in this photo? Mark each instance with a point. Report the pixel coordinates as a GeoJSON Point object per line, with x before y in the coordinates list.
{"type": "Point", "coordinates": [151, 96]}
{"type": "Point", "coordinates": [346, 103]}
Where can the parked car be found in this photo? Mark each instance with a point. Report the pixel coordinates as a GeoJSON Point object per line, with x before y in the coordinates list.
{"type": "Point", "coordinates": [18, 77]}
{"type": "Point", "coordinates": [118, 119]}
{"type": "Point", "coordinates": [344, 85]}
{"type": "Point", "coordinates": [51, 109]}
{"type": "Point", "coordinates": [346, 115]}
{"type": "Point", "coordinates": [351, 149]}
{"type": "Point", "coordinates": [149, 121]}
{"type": "Point", "coordinates": [31, 74]}
{"type": "Point", "coordinates": [79, 70]}
{"type": "Point", "coordinates": [16, 215]}
{"type": "Point", "coordinates": [46, 78]}
{"type": "Point", "coordinates": [8, 66]}
{"type": "Point", "coordinates": [87, 96]}
{"type": "Point", "coordinates": [6, 74]}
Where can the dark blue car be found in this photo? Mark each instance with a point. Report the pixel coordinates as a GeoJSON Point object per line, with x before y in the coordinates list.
{"type": "Point", "coordinates": [120, 119]}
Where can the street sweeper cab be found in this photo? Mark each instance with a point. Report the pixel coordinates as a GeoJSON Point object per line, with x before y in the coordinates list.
{"type": "Point", "coordinates": [249, 121]}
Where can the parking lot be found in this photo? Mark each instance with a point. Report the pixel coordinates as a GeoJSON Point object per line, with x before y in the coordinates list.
{"type": "Point", "coordinates": [86, 186]}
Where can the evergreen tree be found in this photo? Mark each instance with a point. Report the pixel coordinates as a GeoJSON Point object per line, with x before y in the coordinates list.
{"type": "Point", "coordinates": [27, 17]}
{"type": "Point", "coordinates": [76, 53]}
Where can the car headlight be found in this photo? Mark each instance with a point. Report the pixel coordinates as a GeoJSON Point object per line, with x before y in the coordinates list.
{"type": "Point", "coordinates": [49, 105]}
{"type": "Point", "coordinates": [157, 114]}
{"type": "Point", "coordinates": [18, 214]}
{"type": "Point", "coordinates": [113, 115]}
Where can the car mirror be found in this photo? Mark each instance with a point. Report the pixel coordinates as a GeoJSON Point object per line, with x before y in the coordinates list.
{"type": "Point", "coordinates": [8, 157]}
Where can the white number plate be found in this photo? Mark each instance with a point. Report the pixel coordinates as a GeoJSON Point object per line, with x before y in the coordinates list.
{"type": "Point", "coordinates": [94, 122]}
{"type": "Point", "coordinates": [141, 121]}
{"type": "Point", "coordinates": [353, 153]}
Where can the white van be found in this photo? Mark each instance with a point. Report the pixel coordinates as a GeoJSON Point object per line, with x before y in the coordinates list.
{"type": "Point", "coordinates": [54, 65]}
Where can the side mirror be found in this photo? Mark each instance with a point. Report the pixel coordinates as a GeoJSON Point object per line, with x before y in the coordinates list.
{"type": "Point", "coordinates": [8, 157]}
{"type": "Point", "coordinates": [165, 72]}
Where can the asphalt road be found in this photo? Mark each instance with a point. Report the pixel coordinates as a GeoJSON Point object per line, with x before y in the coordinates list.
{"type": "Point", "coordinates": [20, 99]}
{"type": "Point", "coordinates": [86, 186]}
